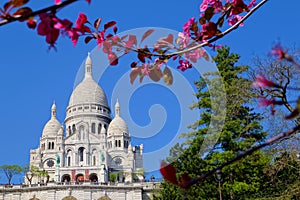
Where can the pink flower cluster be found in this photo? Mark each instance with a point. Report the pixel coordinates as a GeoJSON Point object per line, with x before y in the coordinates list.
{"type": "Point", "coordinates": [51, 26]}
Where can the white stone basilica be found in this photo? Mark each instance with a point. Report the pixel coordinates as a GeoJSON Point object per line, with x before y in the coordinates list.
{"type": "Point", "coordinates": [92, 145]}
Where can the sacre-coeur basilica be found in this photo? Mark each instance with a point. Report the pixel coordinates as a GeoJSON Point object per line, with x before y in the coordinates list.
{"type": "Point", "coordinates": [82, 154]}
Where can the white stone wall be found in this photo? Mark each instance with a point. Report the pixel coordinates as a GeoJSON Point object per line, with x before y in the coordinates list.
{"type": "Point", "coordinates": [80, 192]}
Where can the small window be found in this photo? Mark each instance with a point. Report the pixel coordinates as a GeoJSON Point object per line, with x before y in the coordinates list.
{"type": "Point", "coordinates": [93, 127]}
{"type": "Point", "coordinates": [94, 160]}
{"type": "Point", "coordinates": [73, 128]}
{"type": "Point", "coordinates": [74, 109]}
{"type": "Point", "coordinates": [79, 108]}
{"type": "Point", "coordinates": [80, 152]}
{"type": "Point", "coordinates": [116, 143]}
{"type": "Point", "coordinates": [99, 128]}
{"type": "Point", "coordinates": [69, 161]}
{"type": "Point", "coordinates": [119, 143]}
{"type": "Point", "coordinates": [86, 107]}
{"type": "Point", "coordinates": [93, 107]}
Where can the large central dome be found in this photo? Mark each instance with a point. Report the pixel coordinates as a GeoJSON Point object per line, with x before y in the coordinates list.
{"type": "Point", "coordinates": [88, 91]}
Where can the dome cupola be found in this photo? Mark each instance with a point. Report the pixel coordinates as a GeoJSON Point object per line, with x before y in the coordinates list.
{"type": "Point", "coordinates": [88, 91]}
{"type": "Point", "coordinates": [52, 126]}
{"type": "Point", "coordinates": [117, 126]}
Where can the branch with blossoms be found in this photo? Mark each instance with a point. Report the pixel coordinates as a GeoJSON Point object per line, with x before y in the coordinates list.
{"type": "Point", "coordinates": [186, 47]}
{"type": "Point", "coordinates": [169, 172]}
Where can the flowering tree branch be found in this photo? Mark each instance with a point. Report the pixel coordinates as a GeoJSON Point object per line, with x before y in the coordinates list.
{"type": "Point", "coordinates": [35, 13]}
{"type": "Point", "coordinates": [169, 172]}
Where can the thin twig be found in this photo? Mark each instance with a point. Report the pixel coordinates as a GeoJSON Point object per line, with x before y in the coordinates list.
{"type": "Point", "coordinates": [235, 26]}
{"type": "Point", "coordinates": [35, 13]}
{"type": "Point", "coordinates": [244, 154]}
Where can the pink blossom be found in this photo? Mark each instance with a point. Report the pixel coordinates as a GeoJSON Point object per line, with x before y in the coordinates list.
{"type": "Point", "coordinates": [183, 39]}
{"type": "Point", "coordinates": [261, 82]}
{"type": "Point", "coordinates": [209, 30]}
{"type": "Point", "coordinates": [145, 69]}
{"type": "Point", "coordinates": [251, 4]}
{"type": "Point", "coordinates": [100, 39]}
{"type": "Point", "coordinates": [278, 51]}
{"type": "Point", "coordinates": [113, 59]}
{"type": "Point", "coordinates": [31, 23]}
{"type": "Point", "coordinates": [238, 6]}
{"type": "Point", "coordinates": [216, 4]}
{"type": "Point", "coordinates": [184, 65]}
{"type": "Point", "coordinates": [264, 102]}
{"type": "Point", "coordinates": [46, 28]}
{"type": "Point", "coordinates": [57, 2]}
{"type": "Point", "coordinates": [187, 26]}
{"type": "Point", "coordinates": [195, 55]}
{"type": "Point", "coordinates": [81, 20]}
{"type": "Point", "coordinates": [158, 63]}
{"type": "Point", "coordinates": [234, 20]}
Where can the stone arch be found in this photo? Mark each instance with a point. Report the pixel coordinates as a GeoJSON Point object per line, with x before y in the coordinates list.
{"type": "Point", "coordinates": [66, 178]}
{"type": "Point", "coordinates": [34, 198]}
{"type": "Point", "coordinates": [69, 198]}
{"type": "Point", "coordinates": [79, 178]}
{"type": "Point", "coordinates": [93, 177]}
{"type": "Point", "coordinates": [104, 198]}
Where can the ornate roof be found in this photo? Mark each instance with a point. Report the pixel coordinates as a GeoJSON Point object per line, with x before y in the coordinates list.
{"type": "Point", "coordinates": [52, 126]}
{"type": "Point", "coordinates": [88, 91]}
{"type": "Point", "coordinates": [117, 126]}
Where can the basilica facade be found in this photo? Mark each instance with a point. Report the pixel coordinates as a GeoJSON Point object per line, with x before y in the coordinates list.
{"type": "Point", "coordinates": [89, 145]}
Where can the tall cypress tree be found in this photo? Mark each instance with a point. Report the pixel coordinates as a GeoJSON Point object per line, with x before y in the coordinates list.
{"type": "Point", "coordinates": [241, 130]}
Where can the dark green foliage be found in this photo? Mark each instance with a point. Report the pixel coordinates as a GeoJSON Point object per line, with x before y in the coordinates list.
{"type": "Point", "coordinates": [241, 130]}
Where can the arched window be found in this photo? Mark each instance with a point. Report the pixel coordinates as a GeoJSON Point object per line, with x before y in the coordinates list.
{"type": "Point", "coordinates": [73, 128]}
{"type": "Point", "coordinates": [80, 153]}
{"type": "Point", "coordinates": [49, 145]}
{"type": "Point", "coordinates": [99, 128]}
{"type": "Point", "coordinates": [116, 143]}
{"type": "Point", "coordinates": [52, 145]}
{"type": "Point", "coordinates": [69, 157]}
{"type": "Point", "coordinates": [93, 127]}
{"type": "Point", "coordinates": [81, 133]}
{"type": "Point", "coordinates": [119, 143]}
{"type": "Point", "coordinates": [69, 129]}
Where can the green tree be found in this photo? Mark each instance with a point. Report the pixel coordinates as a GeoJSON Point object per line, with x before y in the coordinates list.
{"type": "Point", "coordinates": [241, 131]}
{"type": "Point", "coordinates": [10, 170]}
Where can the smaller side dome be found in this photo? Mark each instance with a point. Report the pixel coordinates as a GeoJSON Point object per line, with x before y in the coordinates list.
{"type": "Point", "coordinates": [117, 126]}
{"type": "Point", "coordinates": [52, 126]}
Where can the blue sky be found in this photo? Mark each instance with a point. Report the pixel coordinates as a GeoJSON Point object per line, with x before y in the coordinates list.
{"type": "Point", "coordinates": [32, 78]}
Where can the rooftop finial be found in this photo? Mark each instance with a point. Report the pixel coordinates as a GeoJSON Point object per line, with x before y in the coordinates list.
{"type": "Point", "coordinates": [88, 66]}
{"type": "Point", "coordinates": [53, 110]}
{"type": "Point", "coordinates": [117, 108]}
